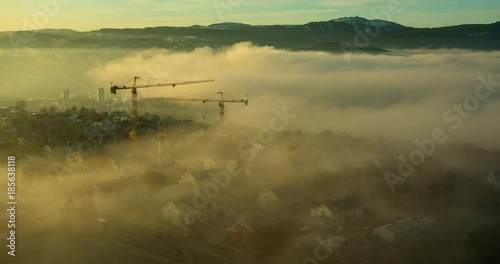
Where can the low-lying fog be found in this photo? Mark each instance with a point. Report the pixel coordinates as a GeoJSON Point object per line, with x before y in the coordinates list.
{"type": "Point", "coordinates": [399, 95]}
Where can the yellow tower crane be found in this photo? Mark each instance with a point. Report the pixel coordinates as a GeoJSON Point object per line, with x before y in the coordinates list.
{"type": "Point", "coordinates": [135, 86]}
{"type": "Point", "coordinates": [205, 99]}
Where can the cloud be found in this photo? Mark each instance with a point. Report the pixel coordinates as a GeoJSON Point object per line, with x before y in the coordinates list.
{"type": "Point", "coordinates": [400, 95]}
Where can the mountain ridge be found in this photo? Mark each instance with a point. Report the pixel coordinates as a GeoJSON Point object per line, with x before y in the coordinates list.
{"type": "Point", "coordinates": [358, 34]}
{"type": "Point", "coordinates": [340, 19]}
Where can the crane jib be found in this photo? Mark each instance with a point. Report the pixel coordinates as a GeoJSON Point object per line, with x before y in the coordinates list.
{"type": "Point", "coordinates": [113, 88]}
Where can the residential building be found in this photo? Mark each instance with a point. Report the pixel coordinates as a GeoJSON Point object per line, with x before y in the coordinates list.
{"type": "Point", "coordinates": [101, 101]}
{"type": "Point", "coordinates": [189, 211]}
{"type": "Point", "coordinates": [196, 177]}
{"type": "Point", "coordinates": [66, 98]}
{"type": "Point", "coordinates": [282, 196]}
{"type": "Point", "coordinates": [178, 214]}
{"type": "Point", "coordinates": [267, 198]}
{"type": "Point", "coordinates": [187, 178]}
{"type": "Point", "coordinates": [406, 230]}
{"type": "Point", "coordinates": [239, 233]}
{"type": "Point", "coordinates": [259, 227]}
{"type": "Point", "coordinates": [338, 212]}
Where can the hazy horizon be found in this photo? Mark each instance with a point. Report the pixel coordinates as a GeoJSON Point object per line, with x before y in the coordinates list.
{"type": "Point", "coordinates": [362, 142]}
{"type": "Point", "coordinates": [150, 13]}
{"type": "Point", "coordinates": [493, 21]}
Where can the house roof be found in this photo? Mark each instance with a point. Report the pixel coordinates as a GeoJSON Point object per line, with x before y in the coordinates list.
{"type": "Point", "coordinates": [282, 191]}
{"type": "Point", "coordinates": [200, 175]}
{"type": "Point", "coordinates": [264, 220]}
{"type": "Point", "coordinates": [408, 224]}
{"type": "Point", "coordinates": [285, 191]}
{"type": "Point", "coordinates": [265, 190]}
{"type": "Point", "coordinates": [183, 207]}
{"type": "Point", "coordinates": [233, 227]}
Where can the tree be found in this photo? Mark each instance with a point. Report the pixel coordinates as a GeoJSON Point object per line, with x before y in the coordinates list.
{"type": "Point", "coordinates": [52, 110]}
{"type": "Point", "coordinates": [21, 105]}
{"type": "Point", "coordinates": [83, 112]}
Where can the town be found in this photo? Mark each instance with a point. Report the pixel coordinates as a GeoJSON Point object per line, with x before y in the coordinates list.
{"type": "Point", "coordinates": [186, 191]}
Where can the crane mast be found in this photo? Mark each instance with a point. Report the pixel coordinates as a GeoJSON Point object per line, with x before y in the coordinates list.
{"type": "Point", "coordinates": [135, 111]}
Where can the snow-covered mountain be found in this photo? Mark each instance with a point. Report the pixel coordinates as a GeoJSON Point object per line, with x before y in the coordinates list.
{"type": "Point", "coordinates": [351, 20]}
{"type": "Point", "coordinates": [364, 23]}
{"type": "Point", "coordinates": [329, 36]}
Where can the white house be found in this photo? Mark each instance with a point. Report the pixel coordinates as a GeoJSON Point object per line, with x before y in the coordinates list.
{"type": "Point", "coordinates": [196, 177]}
{"type": "Point", "coordinates": [339, 211]}
{"type": "Point", "coordinates": [267, 198]}
{"type": "Point", "coordinates": [186, 213]}
{"type": "Point", "coordinates": [187, 178]}
{"type": "Point", "coordinates": [404, 231]}
{"type": "Point", "coordinates": [282, 196]}
{"type": "Point", "coordinates": [178, 214]}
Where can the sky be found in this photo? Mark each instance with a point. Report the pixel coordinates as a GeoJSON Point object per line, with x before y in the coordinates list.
{"type": "Point", "coordinates": [85, 15]}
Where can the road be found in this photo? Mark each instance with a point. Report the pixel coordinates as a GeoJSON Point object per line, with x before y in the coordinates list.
{"type": "Point", "coordinates": [194, 251]}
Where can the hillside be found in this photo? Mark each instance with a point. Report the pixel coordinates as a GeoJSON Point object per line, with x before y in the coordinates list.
{"type": "Point", "coordinates": [354, 34]}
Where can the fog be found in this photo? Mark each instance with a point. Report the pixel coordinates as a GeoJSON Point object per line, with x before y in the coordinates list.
{"type": "Point", "coordinates": [332, 100]}
{"type": "Point", "coordinates": [401, 95]}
